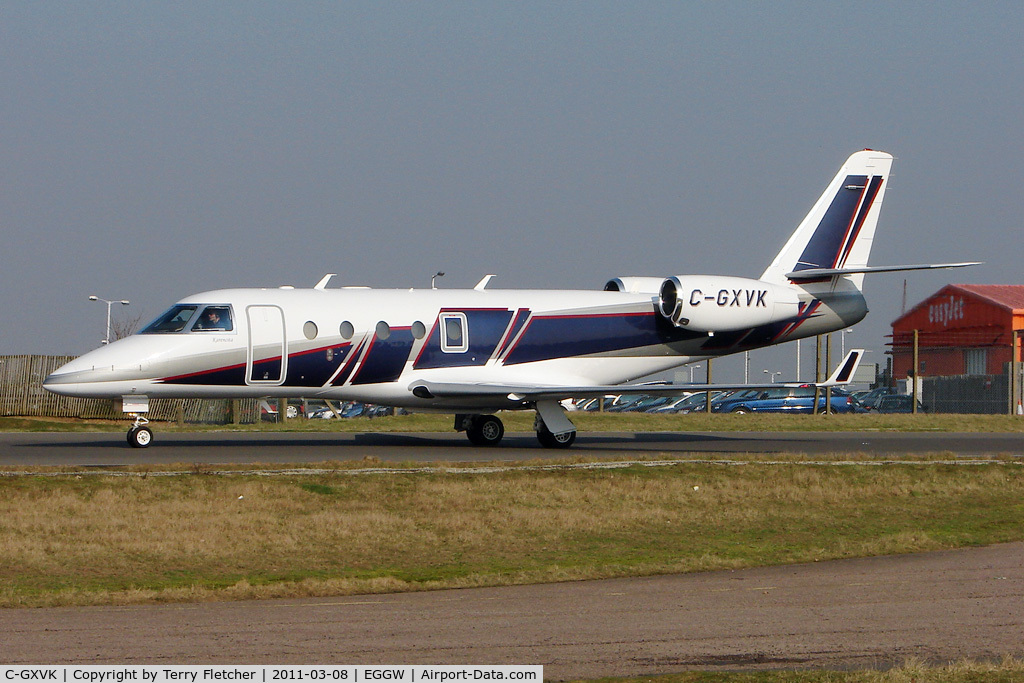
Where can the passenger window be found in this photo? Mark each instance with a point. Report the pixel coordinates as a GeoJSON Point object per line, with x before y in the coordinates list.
{"type": "Point", "coordinates": [214, 318]}
{"type": "Point", "coordinates": [454, 333]}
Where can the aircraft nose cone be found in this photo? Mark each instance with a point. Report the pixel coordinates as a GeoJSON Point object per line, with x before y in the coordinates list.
{"type": "Point", "coordinates": [68, 378]}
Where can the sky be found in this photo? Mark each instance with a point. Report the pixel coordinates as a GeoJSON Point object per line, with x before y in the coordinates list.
{"type": "Point", "coordinates": [155, 150]}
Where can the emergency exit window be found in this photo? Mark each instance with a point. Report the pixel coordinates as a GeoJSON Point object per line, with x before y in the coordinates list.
{"type": "Point", "coordinates": [454, 333]}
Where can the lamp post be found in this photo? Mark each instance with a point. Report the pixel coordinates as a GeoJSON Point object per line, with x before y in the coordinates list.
{"type": "Point", "coordinates": [692, 368]}
{"type": "Point", "coordinates": [842, 342]}
{"type": "Point", "coordinates": [772, 375]}
{"type": "Point", "coordinates": [123, 302]}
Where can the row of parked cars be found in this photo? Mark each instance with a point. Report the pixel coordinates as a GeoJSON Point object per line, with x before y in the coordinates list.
{"type": "Point", "coordinates": [318, 410]}
{"type": "Point", "coordinates": [772, 400]}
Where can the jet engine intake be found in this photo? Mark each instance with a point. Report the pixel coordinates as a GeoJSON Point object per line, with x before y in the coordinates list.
{"type": "Point", "coordinates": [634, 285]}
{"type": "Point", "coordinates": [711, 304]}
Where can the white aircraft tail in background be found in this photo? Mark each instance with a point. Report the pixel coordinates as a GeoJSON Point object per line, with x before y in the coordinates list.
{"type": "Point", "coordinates": [478, 351]}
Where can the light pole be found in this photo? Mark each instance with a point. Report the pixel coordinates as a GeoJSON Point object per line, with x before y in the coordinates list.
{"type": "Point", "coordinates": [772, 375]}
{"type": "Point", "coordinates": [692, 368]}
{"type": "Point", "coordinates": [842, 342]}
{"type": "Point", "coordinates": [123, 302]}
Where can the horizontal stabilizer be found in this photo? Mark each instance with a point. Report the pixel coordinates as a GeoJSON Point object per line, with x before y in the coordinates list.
{"type": "Point", "coordinates": [815, 273]}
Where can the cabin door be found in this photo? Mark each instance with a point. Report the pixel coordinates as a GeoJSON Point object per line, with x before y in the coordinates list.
{"type": "Point", "coordinates": [267, 358]}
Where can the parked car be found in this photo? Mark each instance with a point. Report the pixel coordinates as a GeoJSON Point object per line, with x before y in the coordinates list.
{"type": "Point", "coordinates": [785, 400]}
{"type": "Point", "coordinates": [869, 399]}
{"type": "Point", "coordinates": [698, 402]}
{"type": "Point", "coordinates": [674, 405]}
{"type": "Point", "coordinates": [648, 404]}
{"type": "Point", "coordinates": [610, 403]}
{"type": "Point", "coordinates": [897, 403]}
{"type": "Point", "coordinates": [627, 404]}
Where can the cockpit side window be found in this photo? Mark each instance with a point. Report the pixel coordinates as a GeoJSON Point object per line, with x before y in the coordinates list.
{"type": "Point", "coordinates": [174, 320]}
{"type": "Point", "coordinates": [214, 318]}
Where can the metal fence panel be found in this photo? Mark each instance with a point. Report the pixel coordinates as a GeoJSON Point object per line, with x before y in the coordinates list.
{"type": "Point", "coordinates": [22, 394]}
{"type": "Point", "coordinates": [966, 394]}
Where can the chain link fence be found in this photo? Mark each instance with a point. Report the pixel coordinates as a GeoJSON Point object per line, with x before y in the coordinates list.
{"type": "Point", "coordinates": [967, 394]}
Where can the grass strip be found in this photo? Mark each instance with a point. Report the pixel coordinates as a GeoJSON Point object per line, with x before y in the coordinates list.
{"type": "Point", "coordinates": [111, 540]}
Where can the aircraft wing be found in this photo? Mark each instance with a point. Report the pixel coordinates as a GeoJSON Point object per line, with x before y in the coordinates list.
{"type": "Point", "coordinates": [536, 392]}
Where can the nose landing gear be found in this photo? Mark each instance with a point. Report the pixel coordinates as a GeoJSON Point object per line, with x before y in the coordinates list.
{"type": "Point", "coordinates": [139, 436]}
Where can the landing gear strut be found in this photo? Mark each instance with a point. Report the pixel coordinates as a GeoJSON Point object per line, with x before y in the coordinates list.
{"type": "Point", "coordinates": [139, 436]}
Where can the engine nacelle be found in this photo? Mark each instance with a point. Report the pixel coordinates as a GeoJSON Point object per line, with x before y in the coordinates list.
{"type": "Point", "coordinates": [712, 303]}
{"type": "Point", "coordinates": [635, 285]}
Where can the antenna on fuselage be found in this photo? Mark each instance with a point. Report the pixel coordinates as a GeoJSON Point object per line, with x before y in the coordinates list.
{"type": "Point", "coordinates": [323, 281]}
{"type": "Point", "coordinates": [437, 275]}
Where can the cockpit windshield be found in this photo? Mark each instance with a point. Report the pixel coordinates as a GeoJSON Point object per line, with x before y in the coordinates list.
{"type": "Point", "coordinates": [178, 317]}
{"type": "Point", "coordinates": [173, 320]}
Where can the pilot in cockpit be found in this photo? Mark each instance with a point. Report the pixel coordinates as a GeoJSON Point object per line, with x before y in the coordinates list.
{"type": "Point", "coordinates": [214, 319]}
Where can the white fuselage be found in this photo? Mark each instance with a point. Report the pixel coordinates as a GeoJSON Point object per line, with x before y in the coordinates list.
{"type": "Point", "coordinates": [373, 345]}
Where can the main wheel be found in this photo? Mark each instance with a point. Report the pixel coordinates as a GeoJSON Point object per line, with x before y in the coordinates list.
{"type": "Point", "coordinates": [549, 440]}
{"type": "Point", "coordinates": [740, 411]}
{"type": "Point", "coordinates": [486, 430]}
{"type": "Point", "coordinates": [140, 437]}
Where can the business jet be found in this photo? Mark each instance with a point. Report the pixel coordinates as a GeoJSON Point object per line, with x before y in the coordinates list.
{"type": "Point", "coordinates": [479, 351]}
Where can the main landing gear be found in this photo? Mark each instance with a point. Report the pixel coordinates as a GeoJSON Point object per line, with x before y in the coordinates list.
{"type": "Point", "coordinates": [482, 430]}
{"type": "Point", "coordinates": [140, 436]}
{"type": "Point", "coordinates": [488, 430]}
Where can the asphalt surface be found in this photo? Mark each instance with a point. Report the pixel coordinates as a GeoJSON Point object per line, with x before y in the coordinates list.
{"type": "Point", "coordinates": [111, 449]}
{"type": "Point", "coordinates": [863, 613]}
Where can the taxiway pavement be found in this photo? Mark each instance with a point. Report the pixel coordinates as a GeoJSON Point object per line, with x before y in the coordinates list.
{"type": "Point", "coordinates": [111, 449]}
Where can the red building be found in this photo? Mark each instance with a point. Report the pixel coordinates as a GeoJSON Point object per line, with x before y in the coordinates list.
{"type": "Point", "coordinates": [962, 330]}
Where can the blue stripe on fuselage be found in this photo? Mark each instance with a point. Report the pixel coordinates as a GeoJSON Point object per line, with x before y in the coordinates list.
{"type": "Point", "coordinates": [521, 316]}
{"type": "Point", "coordinates": [313, 368]}
{"type": "Point", "coordinates": [485, 328]}
{"type": "Point", "coordinates": [230, 376]}
{"type": "Point", "coordinates": [385, 359]}
{"type": "Point", "coordinates": [565, 336]}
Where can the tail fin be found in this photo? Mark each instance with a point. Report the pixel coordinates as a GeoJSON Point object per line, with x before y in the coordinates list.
{"type": "Point", "coordinates": [845, 370]}
{"type": "Point", "coordinates": [838, 231]}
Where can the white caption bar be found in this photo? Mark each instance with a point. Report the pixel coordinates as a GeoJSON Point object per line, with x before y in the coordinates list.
{"type": "Point", "coordinates": [270, 674]}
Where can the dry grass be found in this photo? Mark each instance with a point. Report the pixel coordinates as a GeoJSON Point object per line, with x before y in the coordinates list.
{"type": "Point", "coordinates": [100, 539]}
{"type": "Point", "coordinates": [1009, 670]}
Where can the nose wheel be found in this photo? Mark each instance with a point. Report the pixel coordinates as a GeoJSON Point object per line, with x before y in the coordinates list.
{"type": "Point", "coordinates": [140, 436]}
